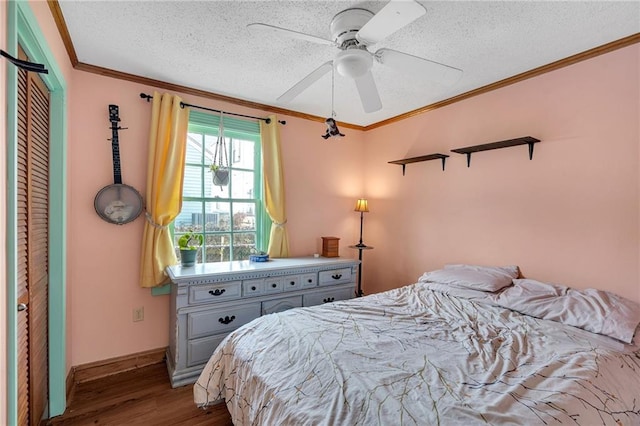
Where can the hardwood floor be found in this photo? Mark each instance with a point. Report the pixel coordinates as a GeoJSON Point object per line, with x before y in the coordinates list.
{"type": "Point", "coordinates": [139, 397]}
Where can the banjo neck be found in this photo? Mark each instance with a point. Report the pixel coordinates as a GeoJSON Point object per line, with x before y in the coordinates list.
{"type": "Point", "coordinates": [115, 146]}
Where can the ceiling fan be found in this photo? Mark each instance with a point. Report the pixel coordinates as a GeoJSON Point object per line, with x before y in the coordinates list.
{"type": "Point", "coordinates": [353, 31]}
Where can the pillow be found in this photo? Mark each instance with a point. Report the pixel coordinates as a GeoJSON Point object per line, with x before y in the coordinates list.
{"type": "Point", "coordinates": [511, 270]}
{"type": "Point", "coordinates": [593, 310]}
{"type": "Point", "coordinates": [483, 278]}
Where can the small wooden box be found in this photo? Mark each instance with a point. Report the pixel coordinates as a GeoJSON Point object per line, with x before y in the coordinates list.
{"type": "Point", "coordinates": [330, 246]}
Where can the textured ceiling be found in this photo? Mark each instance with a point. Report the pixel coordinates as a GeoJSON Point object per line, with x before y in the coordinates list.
{"type": "Point", "coordinates": [205, 45]}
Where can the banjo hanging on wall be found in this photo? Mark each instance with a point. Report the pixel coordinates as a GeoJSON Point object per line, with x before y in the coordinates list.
{"type": "Point", "coordinates": [117, 203]}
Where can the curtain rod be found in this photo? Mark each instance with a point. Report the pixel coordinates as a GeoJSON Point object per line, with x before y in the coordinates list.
{"type": "Point", "coordinates": [182, 105]}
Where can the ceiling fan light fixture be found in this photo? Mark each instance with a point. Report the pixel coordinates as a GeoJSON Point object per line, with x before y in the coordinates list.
{"type": "Point", "coordinates": [353, 63]}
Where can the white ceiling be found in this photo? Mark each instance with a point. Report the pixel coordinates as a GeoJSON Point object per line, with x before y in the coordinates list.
{"type": "Point", "coordinates": [205, 45]}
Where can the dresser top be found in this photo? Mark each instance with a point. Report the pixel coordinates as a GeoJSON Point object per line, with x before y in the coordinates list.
{"type": "Point", "coordinates": [203, 270]}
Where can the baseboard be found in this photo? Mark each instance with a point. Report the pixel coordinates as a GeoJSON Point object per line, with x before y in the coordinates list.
{"type": "Point", "coordinates": [70, 384]}
{"type": "Point", "coordinates": [108, 367]}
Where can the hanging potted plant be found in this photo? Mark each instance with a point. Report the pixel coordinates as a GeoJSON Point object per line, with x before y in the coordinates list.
{"type": "Point", "coordinates": [189, 244]}
{"type": "Point", "coordinates": [220, 165]}
{"type": "Point", "coordinates": [220, 175]}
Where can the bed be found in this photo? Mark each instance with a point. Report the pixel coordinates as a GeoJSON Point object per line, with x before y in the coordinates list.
{"type": "Point", "coordinates": [464, 345]}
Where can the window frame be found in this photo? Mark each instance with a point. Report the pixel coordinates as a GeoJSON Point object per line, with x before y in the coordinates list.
{"type": "Point", "coordinates": [208, 124]}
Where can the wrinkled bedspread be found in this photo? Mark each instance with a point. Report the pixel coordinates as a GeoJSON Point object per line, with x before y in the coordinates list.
{"type": "Point", "coordinates": [415, 356]}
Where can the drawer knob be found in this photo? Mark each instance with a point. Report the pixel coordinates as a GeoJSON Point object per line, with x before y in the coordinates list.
{"type": "Point", "coordinates": [274, 285]}
{"type": "Point", "coordinates": [253, 288]}
{"type": "Point", "coordinates": [310, 280]}
{"type": "Point", "coordinates": [227, 319]}
{"type": "Point", "coordinates": [217, 292]}
{"type": "Point", "coordinates": [336, 276]}
{"type": "Point", "coordinates": [329, 299]}
{"type": "Point", "coordinates": [292, 282]}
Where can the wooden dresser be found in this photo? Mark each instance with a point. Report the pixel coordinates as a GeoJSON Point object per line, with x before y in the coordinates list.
{"type": "Point", "coordinates": [210, 300]}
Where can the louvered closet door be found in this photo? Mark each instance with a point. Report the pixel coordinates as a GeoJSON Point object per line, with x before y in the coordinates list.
{"type": "Point", "coordinates": [33, 247]}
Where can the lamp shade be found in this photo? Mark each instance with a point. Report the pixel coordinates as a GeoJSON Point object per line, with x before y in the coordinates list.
{"type": "Point", "coordinates": [361, 205]}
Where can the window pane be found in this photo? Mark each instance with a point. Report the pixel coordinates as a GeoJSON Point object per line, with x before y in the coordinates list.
{"type": "Point", "coordinates": [242, 154]}
{"type": "Point", "coordinates": [211, 156]}
{"type": "Point", "coordinates": [209, 145]}
{"type": "Point", "coordinates": [194, 148]}
{"type": "Point", "coordinates": [218, 217]}
{"type": "Point", "coordinates": [192, 185]}
{"type": "Point", "coordinates": [242, 184]}
{"type": "Point", "coordinates": [244, 216]}
{"type": "Point", "coordinates": [217, 247]}
{"type": "Point", "coordinates": [244, 244]}
{"type": "Point", "coordinates": [189, 218]}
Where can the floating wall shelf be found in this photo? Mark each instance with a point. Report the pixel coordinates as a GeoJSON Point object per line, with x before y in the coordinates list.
{"type": "Point", "coordinates": [526, 140]}
{"type": "Point", "coordinates": [406, 161]}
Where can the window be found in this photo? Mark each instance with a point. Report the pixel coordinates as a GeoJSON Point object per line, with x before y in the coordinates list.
{"type": "Point", "coordinates": [231, 218]}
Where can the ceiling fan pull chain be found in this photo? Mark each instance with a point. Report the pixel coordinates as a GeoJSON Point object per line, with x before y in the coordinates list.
{"type": "Point", "coordinates": [224, 143]}
{"type": "Point", "coordinates": [215, 148]}
{"type": "Point", "coordinates": [333, 90]}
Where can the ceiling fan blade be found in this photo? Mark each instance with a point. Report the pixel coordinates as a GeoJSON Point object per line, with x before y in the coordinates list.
{"type": "Point", "coordinates": [302, 85]}
{"type": "Point", "coordinates": [394, 15]}
{"type": "Point", "coordinates": [266, 28]}
{"type": "Point", "coordinates": [434, 71]}
{"type": "Point", "coordinates": [368, 93]}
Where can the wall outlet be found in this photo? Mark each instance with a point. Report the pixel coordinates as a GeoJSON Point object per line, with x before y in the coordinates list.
{"type": "Point", "coordinates": [138, 314]}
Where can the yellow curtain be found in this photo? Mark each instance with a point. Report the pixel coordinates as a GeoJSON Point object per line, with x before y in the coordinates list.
{"type": "Point", "coordinates": [274, 187]}
{"type": "Point", "coordinates": [165, 172]}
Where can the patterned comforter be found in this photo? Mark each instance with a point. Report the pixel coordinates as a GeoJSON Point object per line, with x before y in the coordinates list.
{"type": "Point", "coordinates": [416, 356]}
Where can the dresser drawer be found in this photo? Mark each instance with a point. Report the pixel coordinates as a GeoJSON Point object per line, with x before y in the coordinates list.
{"type": "Point", "coordinates": [214, 292]}
{"type": "Point", "coordinates": [327, 296]}
{"type": "Point", "coordinates": [273, 285]}
{"type": "Point", "coordinates": [220, 320]}
{"type": "Point", "coordinates": [291, 282]}
{"type": "Point", "coordinates": [282, 304]}
{"type": "Point", "coordinates": [309, 280]}
{"type": "Point", "coordinates": [335, 276]}
{"type": "Point", "coordinates": [252, 287]}
{"type": "Point", "coordinates": [199, 351]}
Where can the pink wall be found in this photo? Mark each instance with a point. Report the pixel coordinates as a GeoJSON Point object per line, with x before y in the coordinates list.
{"type": "Point", "coordinates": [570, 216]}
{"type": "Point", "coordinates": [322, 178]}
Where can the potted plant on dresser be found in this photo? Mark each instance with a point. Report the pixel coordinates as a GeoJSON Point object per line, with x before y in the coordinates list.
{"type": "Point", "coordinates": [189, 244]}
